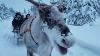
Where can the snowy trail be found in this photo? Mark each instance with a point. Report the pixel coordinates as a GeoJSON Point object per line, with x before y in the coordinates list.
{"type": "Point", "coordinates": [90, 47]}
{"type": "Point", "coordinates": [9, 49]}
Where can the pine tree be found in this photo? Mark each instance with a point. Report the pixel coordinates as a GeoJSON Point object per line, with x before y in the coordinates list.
{"type": "Point", "coordinates": [80, 12]}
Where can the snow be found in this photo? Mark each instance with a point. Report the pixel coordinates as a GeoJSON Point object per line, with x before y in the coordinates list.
{"type": "Point", "coordinates": [87, 43]}
{"type": "Point", "coordinates": [18, 5]}
{"type": "Point", "coordinates": [87, 34]}
{"type": "Point", "coordinates": [6, 47]}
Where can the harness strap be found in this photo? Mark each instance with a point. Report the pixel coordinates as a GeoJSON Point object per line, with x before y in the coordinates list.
{"type": "Point", "coordinates": [29, 30]}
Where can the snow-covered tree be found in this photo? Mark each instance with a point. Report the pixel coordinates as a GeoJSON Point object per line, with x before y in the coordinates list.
{"type": "Point", "coordinates": [12, 11]}
{"type": "Point", "coordinates": [80, 12]}
{"type": "Point", "coordinates": [5, 12]}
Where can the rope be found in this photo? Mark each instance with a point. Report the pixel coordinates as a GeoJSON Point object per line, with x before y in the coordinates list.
{"type": "Point", "coordinates": [29, 30]}
{"type": "Point", "coordinates": [31, 33]}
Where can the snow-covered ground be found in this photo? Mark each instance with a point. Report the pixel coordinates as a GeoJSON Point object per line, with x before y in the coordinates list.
{"type": "Point", "coordinates": [87, 41]}
{"type": "Point", "coordinates": [6, 47]}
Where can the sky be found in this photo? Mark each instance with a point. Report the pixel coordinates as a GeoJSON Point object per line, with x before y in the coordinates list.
{"type": "Point", "coordinates": [19, 5]}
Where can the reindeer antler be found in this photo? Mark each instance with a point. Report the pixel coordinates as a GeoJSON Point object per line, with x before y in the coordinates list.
{"type": "Point", "coordinates": [33, 2]}
{"type": "Point", "coordinates": [29, 0]}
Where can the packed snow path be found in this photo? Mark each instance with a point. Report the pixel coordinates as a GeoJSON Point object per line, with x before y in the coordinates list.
{"type": "Point", "coordinates": [9, 48]}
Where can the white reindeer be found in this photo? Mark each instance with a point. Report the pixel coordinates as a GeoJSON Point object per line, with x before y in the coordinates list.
{"type": "Point", "coordinates": [41, 39]}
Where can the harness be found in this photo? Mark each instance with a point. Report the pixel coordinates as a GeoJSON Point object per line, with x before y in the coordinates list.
{"type": "Point", "coordinates": [29, 30]}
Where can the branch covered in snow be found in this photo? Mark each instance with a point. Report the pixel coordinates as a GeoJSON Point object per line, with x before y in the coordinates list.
{"type": "Point", "coordinates": [6, 13]}
{"type": "Point", "coordinates": [80, 12]}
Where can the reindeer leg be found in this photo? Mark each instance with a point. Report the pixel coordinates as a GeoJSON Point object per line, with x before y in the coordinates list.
{"type": "Point", "coordinates": [45, 50]}
{"type": "Point", "coordinates": [29, 52]}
